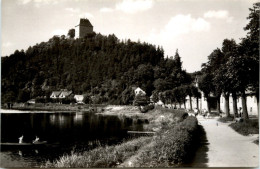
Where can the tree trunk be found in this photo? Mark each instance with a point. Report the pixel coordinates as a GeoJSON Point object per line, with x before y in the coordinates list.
{"type": "Point", "coordinates": [208, 105]}
{"type": "Point", "coordinates": [244, 106]}
{"type": "Point", "coordinates": [180, 105]}
{"type": "Point", "coordinates": [218, 105]}
{"type": "Point", "coordinates": [185, 104]}
{"type": "Point", "coordinates": [234, 97]}
{"type": "Point", "coordinates": [257, 102]}
{"type": "Point", "coordinates": [190, 103]}
{"type": "Point", "coordinates": [197, 99]}
{"type": "Point", "coordinates": [227, 105]}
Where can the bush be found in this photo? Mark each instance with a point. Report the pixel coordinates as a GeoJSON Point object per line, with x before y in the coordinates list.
{"type": "Point", "coordinates": [172, 146]}
{"type": "Point", "coordinates": [108, 156]}
{"type": "Point", "coordinates": [246, 127]}
{"type": "Point", "coordinates": [226, 119]}
{"type": "Point", "coordinates": [145, 109]}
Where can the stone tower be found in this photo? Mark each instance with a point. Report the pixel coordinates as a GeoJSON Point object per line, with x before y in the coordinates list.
{"type": "Point", "coordinates": [84, 28]}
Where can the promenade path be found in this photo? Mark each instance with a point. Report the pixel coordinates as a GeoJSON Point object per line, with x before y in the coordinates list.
{"type": "Point", "coordinates": [223, 147]}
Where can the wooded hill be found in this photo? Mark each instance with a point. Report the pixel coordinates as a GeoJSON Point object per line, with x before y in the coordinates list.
{"type": "Point", "coordinates": [100, 66]}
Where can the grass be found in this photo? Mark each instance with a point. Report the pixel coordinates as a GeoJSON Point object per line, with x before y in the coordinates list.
{"type": "Point", "coordinates": [256, 141]}
{"type": "Point", "coordinates": [226, 119]}
{"type": "Point", "coordinates": [245, 128]}
{"type": "Point", "coordinates": [108, 156]}
{"type": "Point", "coordinates": [172, 145]}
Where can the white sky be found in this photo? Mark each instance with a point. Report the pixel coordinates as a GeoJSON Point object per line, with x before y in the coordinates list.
{"type": "Point", "coordinates": [195, 27]}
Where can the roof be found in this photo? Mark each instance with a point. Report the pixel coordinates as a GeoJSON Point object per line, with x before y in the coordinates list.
{"type": "Point", "coordinates": [66, 93]}
{"type": "Point", "coordinates": [85, 22]}
{"type": "Point", "coordinates": [56, 93]}
{"type": "Point", "coordinates": [79, 96]}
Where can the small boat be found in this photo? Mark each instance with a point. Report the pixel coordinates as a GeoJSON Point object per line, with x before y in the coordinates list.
{"type": "Point", "coordinates": [24, 144]}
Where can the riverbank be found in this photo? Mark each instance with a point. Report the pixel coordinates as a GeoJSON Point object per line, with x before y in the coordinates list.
{"type": "Point", "coordinates": [53, 107]}
{"type": "Point", "coordinates": [171, 145]}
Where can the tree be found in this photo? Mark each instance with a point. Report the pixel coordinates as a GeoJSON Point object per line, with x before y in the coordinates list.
{"type": "Point", "coordinates": [205, 84]}
{"type": "Point", "coordinates": [250, 47]}
{"type": "Point", "coordinates": [71, 33]}
{"type": "Point", "coordinates": [195, 92]}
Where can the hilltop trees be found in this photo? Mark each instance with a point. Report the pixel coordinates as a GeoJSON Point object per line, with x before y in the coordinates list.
{"type": "Point", "coordinates": [71, 33]}
{"type": "Point", "coordinates": [100, 66]}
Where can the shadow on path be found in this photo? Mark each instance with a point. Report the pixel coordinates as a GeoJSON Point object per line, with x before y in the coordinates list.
{"type": "Point", "coordinates": [200, 158]}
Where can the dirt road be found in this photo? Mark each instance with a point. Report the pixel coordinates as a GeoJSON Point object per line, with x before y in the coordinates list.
{"type": "Point", "coordinates": [223, 147]}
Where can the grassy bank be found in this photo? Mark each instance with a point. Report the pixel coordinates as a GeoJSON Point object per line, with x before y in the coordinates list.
{"type": "Point", "coordinates": [170, 146]}
{"type": "Point", "coordinates": [108, 156]}
{"type": "Point", "coordinates": [226, 119]}
{"type": "Point", "coordinates": [250, 126]}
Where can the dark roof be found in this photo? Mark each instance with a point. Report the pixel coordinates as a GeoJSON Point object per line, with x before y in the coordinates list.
{"type": "Point", "coordinates": [85, 22]}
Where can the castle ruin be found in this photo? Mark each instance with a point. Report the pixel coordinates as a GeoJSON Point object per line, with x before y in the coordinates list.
{"type": "Point", "coordinates": [84, 28]}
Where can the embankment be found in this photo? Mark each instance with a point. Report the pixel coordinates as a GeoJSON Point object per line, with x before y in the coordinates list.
{"type": "Point", "coordinates": [175, 135]}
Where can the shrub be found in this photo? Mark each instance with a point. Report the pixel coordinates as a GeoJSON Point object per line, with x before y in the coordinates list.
{"type": "Point", "coordinates": [172, 146]}
{"type": "Point", "coordinates": [226, 119]}
{"type": "Point", "coordinates": [246, 127]}
{"type": "Point", "coordinates": [108, 156]}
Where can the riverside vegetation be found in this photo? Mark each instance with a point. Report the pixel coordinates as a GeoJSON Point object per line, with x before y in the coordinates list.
{"type": "Point", "coordinates": [173, 143]}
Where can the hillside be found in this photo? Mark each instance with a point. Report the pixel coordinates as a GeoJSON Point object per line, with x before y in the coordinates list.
{"type": "Point", "coordinates": [101, 66]}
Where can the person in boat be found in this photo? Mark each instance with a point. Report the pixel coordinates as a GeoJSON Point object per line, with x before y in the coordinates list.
{"type": "Point", "coordinates": [20, 139]}
{"type": "Point", "coordinates": [36, 140]}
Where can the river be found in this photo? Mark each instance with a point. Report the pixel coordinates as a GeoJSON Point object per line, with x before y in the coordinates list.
{"type": "Point", "coordinates": [64, 132]}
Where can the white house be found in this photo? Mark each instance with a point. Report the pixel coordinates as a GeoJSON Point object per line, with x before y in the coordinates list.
{"type": "Point", "coordinates": [251, 103]}
{"type": "Point", "coordinates": [55, 94]}
{"type": "Point", "coordinates": [79, 98]}
{"type": "Point", "coordinates": [139, 91]}
{"type": "Point", "coordinates": [64, 94]}
{"type": "Point", "coordinates": [32, 101]}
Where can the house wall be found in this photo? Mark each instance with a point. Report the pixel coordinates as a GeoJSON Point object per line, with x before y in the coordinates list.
{"type": "Point", "coordinates": [250, 100]}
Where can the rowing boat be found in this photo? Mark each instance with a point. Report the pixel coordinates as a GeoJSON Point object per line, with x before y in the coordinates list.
{"type": "Point", "coordinates": [24, 144]}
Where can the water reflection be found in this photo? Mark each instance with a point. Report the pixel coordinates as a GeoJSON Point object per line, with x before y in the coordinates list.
{"type": "Point", "coordinates": [62, 131]}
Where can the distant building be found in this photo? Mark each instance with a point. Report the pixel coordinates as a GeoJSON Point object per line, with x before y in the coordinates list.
{"type": "Point", "coordinates": [64, 94]}
{"type": "Point", "coordinates": [251, 102]}
{"type": "Point", "coordinates": [32, 101]}
{"type": "Point", "coordinates": [84, 28]}
{"type": "Point", "coordinates": [139, 91]}
{"type": "Point", "coordinates": [55, 94]}
{"type": "Point", "coordinates": [79, 98]}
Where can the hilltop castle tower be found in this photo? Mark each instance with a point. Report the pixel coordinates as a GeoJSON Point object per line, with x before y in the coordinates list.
{"type": "Point", "coordinates": [84, 28]}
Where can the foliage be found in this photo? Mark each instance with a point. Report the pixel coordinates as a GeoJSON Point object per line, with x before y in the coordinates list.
{"type": "Point", "coordinates": [71, 33]}
{"type": "Point", "coordinates": [141, 100]}
{"type": "Point", "coordinates": [108, 156]}
{"type": "Point", "coordinates": [226, 119]}
{"type": "Point", "coordinates": [247, 127]}
{"type": "Point", "coordinates": [172, 146]}
{"type": "Point", "coordinates": [102, 67]}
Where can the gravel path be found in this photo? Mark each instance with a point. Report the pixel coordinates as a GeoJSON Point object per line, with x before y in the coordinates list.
{"type": "Point", "coordinates": [223, 147]}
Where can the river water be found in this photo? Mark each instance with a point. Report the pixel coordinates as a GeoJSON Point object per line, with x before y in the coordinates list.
{"type": "Point", "coordinates": [64, 132]}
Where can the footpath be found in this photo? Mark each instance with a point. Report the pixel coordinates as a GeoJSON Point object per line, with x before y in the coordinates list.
{"type": "Point", "coordinates": [223, 147]}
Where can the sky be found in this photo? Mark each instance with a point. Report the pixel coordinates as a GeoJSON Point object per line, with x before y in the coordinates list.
{"type": "Point", "coordinates": [194, 27]}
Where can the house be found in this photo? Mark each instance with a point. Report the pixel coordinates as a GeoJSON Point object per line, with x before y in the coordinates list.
{"type": "Point", "coordinates": [64, 94]}
{"type": "Point", "coordinates": [139, 91]}
{"type": "Point", "coordinates": [32, 101]}
{"type": "Point", "coordinates": [251, 102]}
{"type": "Point", "coordinates": [79, 98]}
{"type": "Point", "coordinates": [84, 28]}
{"type": "Point", "coordinates": [55, 94]}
